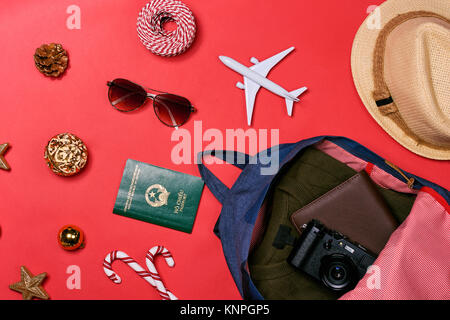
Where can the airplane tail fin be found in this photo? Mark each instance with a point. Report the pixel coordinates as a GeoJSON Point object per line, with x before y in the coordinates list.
{"type": "Point", "coordinates": [290, 102]}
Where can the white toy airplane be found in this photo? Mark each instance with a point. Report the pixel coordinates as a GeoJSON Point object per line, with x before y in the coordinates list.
{"type": "Point", "coordinates": [255, 77]}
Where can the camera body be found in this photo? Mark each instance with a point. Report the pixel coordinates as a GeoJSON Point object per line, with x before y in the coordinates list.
{"type": "Point", "coordinates": [330, 257]}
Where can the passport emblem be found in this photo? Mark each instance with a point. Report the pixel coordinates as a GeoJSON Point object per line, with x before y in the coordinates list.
{"type": "Point", "coordinates": [157, 196]}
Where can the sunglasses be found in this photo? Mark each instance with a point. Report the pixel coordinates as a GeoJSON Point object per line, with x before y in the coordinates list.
{"type": "Point", "coordinates": [126, 96]}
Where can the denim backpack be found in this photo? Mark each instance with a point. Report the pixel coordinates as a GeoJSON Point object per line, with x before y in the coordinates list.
{"type": "Point", "coordinates": [416, 245]}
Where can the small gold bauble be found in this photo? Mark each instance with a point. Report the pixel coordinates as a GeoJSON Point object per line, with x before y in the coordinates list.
{"type": "Point", "coordinates": [71, 237]}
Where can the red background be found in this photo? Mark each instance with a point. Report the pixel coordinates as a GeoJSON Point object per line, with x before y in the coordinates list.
{"type": "Point", "coordinates": [35, 203]}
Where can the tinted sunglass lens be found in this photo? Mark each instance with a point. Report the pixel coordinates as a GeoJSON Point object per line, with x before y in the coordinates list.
{"type": "Point", "coordinates": [171, 109]}
{"type": "Point", "coordinates": [125, 95]}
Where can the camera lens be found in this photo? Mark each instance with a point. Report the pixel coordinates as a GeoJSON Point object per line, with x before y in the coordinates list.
{"type": "Point", "coordinates": [337, 272]}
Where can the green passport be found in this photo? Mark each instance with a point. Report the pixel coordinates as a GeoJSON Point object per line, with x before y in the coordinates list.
{"type": "Point", "coordinates": [160, 196]}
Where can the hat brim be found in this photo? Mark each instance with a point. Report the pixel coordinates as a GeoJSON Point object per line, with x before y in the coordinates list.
{"type": "Point", "coordinates": [362, 62]}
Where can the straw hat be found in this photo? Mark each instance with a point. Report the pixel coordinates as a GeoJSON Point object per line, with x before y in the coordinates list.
{"type": "Point", "coordinates": [401, 69]}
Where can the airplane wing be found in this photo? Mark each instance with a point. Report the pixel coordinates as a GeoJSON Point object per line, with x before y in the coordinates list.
{"type": "Point", "coordinates": [251, 89]}
{"type": "Point", "coordinates": [264, 67]}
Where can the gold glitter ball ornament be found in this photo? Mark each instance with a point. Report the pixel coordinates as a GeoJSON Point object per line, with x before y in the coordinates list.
{"type": "Point", "coordinates": [71, 237]}
{"type": "Point", "coordinates": [66, 154]}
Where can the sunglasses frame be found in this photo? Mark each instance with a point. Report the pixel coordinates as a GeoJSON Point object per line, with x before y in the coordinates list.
{"type": "Point", "coordinates": [150, 96]}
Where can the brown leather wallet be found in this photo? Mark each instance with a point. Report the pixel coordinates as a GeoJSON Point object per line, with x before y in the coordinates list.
{"type": "Point", "coordinates": [354, 208]}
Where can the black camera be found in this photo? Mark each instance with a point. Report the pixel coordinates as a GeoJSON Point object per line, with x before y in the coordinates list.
{"type": "Point", "coordinates": [330, 257]}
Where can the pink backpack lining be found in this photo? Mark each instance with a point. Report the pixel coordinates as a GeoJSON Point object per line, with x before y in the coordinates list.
{"type": "Point", "coordinates": [415, 262]}
{"type": "Point", "coordinates": [379, 176]}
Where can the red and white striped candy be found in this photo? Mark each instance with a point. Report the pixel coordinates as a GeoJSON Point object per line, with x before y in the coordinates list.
{"type": "Point", "coordinates": [152, 277]}
{"type": "Point", "coordinates": [151, 30]}
{"type": "Point", "coordinates": [152, 253]}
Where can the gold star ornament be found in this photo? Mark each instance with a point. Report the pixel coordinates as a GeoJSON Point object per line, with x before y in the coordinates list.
{"type": "Point", "coordinates": [29, 285]}
{"type": "Point", "coordinates": [3, 164]}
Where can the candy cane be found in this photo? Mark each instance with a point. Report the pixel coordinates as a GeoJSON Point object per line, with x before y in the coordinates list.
{"type": "Point", "coordinates": [151, 31]}
{"type": "Point", "coordinates": [147, 276]}
{"type": "Point", "coordinates": [150, 258]}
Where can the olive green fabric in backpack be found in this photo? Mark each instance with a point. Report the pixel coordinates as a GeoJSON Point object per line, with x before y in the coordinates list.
{"type": "Point", "coordinates": [310, 175]}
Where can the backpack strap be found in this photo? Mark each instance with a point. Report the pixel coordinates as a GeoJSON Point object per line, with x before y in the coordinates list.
{"type": "Point", "coordinates": [217, 187]}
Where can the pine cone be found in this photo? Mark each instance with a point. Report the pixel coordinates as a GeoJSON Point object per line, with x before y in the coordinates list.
{"type": "Point", "coordinates": [51, 59]}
